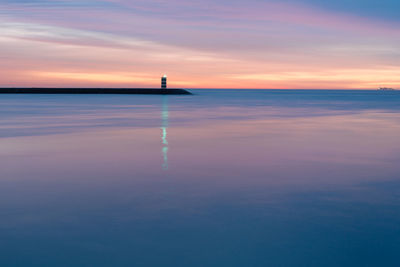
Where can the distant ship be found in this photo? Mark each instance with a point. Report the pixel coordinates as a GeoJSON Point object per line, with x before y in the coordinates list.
{"type": "Point", "coordinates": [386, 89]}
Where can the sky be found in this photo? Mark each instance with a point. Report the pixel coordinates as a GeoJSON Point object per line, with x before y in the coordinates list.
{"type": "Point", "coordinates": [288, 44]}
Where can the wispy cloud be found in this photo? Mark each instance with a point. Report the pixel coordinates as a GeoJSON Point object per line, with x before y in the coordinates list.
{"type": "Point", "coordinates": [204, 43]}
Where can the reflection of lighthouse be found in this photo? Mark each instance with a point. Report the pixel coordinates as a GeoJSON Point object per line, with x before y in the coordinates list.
{"type": "Point", "coordinates": [164, 128]}
{"type": "Point", "coordinates": [164, 82]}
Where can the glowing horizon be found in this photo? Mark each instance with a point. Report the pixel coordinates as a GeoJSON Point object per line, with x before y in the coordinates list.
{"type": "Point", "coordinates": [305, 44]}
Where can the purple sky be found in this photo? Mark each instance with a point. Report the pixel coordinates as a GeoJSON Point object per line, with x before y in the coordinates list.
{"type": "Point", "coordinates": [201, 44]}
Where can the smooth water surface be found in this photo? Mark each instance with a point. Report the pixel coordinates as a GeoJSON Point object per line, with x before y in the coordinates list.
{"type": "Point", "coordinates": [220, 178]}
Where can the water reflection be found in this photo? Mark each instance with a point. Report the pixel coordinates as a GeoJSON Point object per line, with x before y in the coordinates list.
{"type": "Point", "coordinates": [278, 179]}
{"type": "Point", "coordinates": [164, 133]}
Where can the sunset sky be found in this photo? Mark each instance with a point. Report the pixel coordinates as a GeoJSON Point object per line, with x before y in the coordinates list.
{"type": "Point", "coordinates": [341, 44]}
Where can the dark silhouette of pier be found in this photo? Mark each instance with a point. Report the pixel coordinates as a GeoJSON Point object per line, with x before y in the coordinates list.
{"type": "Point", "coordinates": [128, 91]}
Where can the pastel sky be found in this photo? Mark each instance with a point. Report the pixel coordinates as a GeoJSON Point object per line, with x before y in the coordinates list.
{"type": "Point", "coordinates": [341, 44]}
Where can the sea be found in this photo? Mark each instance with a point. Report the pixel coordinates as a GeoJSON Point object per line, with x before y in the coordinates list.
{"type": "Point", "coordinates": [218, 178]}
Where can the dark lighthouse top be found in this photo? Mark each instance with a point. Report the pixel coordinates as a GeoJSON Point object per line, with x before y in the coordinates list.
{"type": "Point", "coordinates": [164, 82]}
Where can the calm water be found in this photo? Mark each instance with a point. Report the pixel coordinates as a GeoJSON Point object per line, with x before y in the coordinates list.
{"type": "Point", "coordinates": [220, 178]}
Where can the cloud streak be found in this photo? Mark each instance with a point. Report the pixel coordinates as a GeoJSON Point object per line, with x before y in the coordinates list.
{"type": "Point", "coordinates": [252, 44]}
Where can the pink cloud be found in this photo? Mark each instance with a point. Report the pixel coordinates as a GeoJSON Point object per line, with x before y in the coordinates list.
{"type": "Point", "coordinates": [203, 43]}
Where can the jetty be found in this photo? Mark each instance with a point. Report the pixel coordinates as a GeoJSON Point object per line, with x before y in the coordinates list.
{"type": "Point", "coordinates": [121, 91]}
{"type": "Point", "coordinates": [127, 91]}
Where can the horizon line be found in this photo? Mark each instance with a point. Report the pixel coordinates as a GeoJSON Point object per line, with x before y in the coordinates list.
{"type": "Point", "coordinates": [188, 88]}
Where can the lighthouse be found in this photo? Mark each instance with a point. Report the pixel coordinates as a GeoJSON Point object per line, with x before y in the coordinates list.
{"type": "Point", "coordinates": [164, 82]}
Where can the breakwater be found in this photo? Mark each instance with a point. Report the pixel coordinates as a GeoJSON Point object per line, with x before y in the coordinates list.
{"type": "Point", "coordinates": [130, 91]}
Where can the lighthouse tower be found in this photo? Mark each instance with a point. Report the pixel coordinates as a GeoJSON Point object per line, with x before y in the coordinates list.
{"type": "Point", "coordinates": [164, 82]}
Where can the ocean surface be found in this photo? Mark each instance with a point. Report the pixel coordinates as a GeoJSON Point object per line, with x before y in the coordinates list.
{"type": "Point", "coordinates": [219, 178]}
